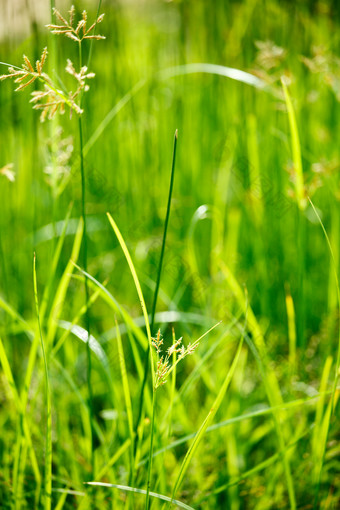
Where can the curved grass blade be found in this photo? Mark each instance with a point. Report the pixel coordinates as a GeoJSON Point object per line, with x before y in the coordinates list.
{"type": "Point", "coordinates": [138, 288]}
{"type": "Point", "coordinates": [147, 324]}
{"type": "Point", "coordinates": [113, 303]}
{"type": "Point", "coordinates": [76, 319]}
{"type": "Point", "coordinates": [116, 456]}
{"type": "Point", "coordinates": [130, 326]}
{"type": "Point", "coordinates": [205, 68]}
{"type": "Point", "coordinates": [142, 491]}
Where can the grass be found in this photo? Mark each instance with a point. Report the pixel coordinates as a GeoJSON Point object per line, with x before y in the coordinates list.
{"type": "Point", "coordinates": [245, 236]}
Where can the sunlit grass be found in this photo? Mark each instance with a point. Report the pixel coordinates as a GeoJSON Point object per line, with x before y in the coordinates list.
{"type": "Point", "coordinates": [126, 248]}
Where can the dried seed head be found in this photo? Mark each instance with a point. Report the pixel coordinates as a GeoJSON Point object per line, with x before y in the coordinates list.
{"type": "Point", "coordinates": [28, 64]}
{"type": "Point", "coordinates": [85, 21]}
{"type": "Point", "coordinates": [96, 37]}
{"type": "Point", "coordinates": [43, 56]}
{"type": "Point", "coordinates": [79, 26]}
{"type": "Point", "coordinates": [72, 36]}
{"type": "Point", "coordinates": [71, 13]}
{"type": "Point", "coordinates": [60, 17]}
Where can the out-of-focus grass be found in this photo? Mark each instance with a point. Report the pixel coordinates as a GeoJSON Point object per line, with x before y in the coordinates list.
{"type": "Point", "coordinates": [235, 221]}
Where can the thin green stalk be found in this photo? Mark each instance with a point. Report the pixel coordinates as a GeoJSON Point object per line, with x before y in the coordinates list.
{"type": "Point", "coordinates": [86, 287]}
{"type": "Point", "coordinates": [148, 482]}
{"type": "Point", "coordinates": [155, 297]}
{"type": "Point", "coordinates": [48, 443]}
{"type": "Point", "coordinates": [301, 203]}
{"type": "Point", "coordinates": [127, 398]}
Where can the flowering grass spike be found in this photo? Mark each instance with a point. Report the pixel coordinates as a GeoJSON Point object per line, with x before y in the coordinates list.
{"type": "Point", "coordinates": [164, 367]}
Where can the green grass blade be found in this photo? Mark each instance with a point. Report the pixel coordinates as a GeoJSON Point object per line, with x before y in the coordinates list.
{"type": "Point", "coordinates": [318, 445]}
{"type": "Point", "coordinates": [330, 410]}
{"type": "Point", "coordinates": [296, 150]}
{"type": "Point", "coordinates": [259, 467]}
{"type": "Point", "coordinates": [116, 456]}
{"type": "Point", "coordinates": [210, 416]}
{"type": "Point", "coordinates": [62, 500]}
{"type": "Point", "coordinates": [158, 281]}
{"type": "Point", "coordinates": [60, 294]}
{"type": "Point", "coordinates": [336, 279]}
{"type": "Point", "coordinates": [74, 321]}
{"type": "Point", "coordinates": [17, 317]}
{"type": "Point", "coordinates": [138, 288]}
{"type": "Point", "coordinates": [127, 396]}
{"type": "Point", "coordinates": [20, 409]}
{"type": "Point", "coordinates": [268, 375]}
{"type": "Point", "coordinates": [9, 376]}
{"type": "Point", "coordinates": [116, 307]}
{"type": "Point", "coordinates": [291, 332]}
{"type": "Point", "coordinates": [142, 491]}
{"type": "Point", "coordinates": [53, 266]}
{"type": "Point", "coordinates": [237, 419]}
{"type": "Point", "coordinates": [48, 444]}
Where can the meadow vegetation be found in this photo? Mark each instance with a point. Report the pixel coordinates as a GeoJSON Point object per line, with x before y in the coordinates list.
{"type": "Point", "coordinates": [169, 256]}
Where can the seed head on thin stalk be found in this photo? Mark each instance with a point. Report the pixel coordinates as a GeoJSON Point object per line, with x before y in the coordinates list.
{"type": "Point", "coordinates": [163, 366]}
{"type": "Point", "coordinates": [50, 99]}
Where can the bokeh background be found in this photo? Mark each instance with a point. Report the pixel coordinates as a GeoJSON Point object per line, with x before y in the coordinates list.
{"type": "Point", "coordinates": [234, 205]}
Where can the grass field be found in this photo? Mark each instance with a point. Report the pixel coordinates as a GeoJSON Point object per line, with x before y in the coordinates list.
{"type": "Point", "coordinates": [226, 231]}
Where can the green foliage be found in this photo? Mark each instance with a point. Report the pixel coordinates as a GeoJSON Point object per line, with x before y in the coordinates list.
{"type": "Point", "coordinates": [248, 235]}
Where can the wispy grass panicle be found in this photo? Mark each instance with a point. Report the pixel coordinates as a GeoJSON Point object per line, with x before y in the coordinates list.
{"type": "Point", "coordinates": [164, 367]}
{"type": "Point", "coordinates": [27, 71]}
{"type": "Point", "coordinates": [77, 32]}
{"type": "Point", "coordinates": [51, 99]}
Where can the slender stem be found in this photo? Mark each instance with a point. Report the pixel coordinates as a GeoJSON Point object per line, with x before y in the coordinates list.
{"type": "Point", "coordinates": [154, 304]}
{"type": "Point", "coordinates": [301, 319]}
{"type": "Point", "coordinates": [147, 500]}
{"type": "Point", "coordinates": [86, 287]}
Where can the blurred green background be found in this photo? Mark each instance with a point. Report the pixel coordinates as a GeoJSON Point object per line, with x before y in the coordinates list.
{"type": "Point", "coordinates": [233, 203]}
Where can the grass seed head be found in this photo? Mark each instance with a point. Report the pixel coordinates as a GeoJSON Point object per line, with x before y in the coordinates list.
{"type": "Point", "coordinates": [74, 32]}
{"type": "Point", "coordinates": [163, 365]}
